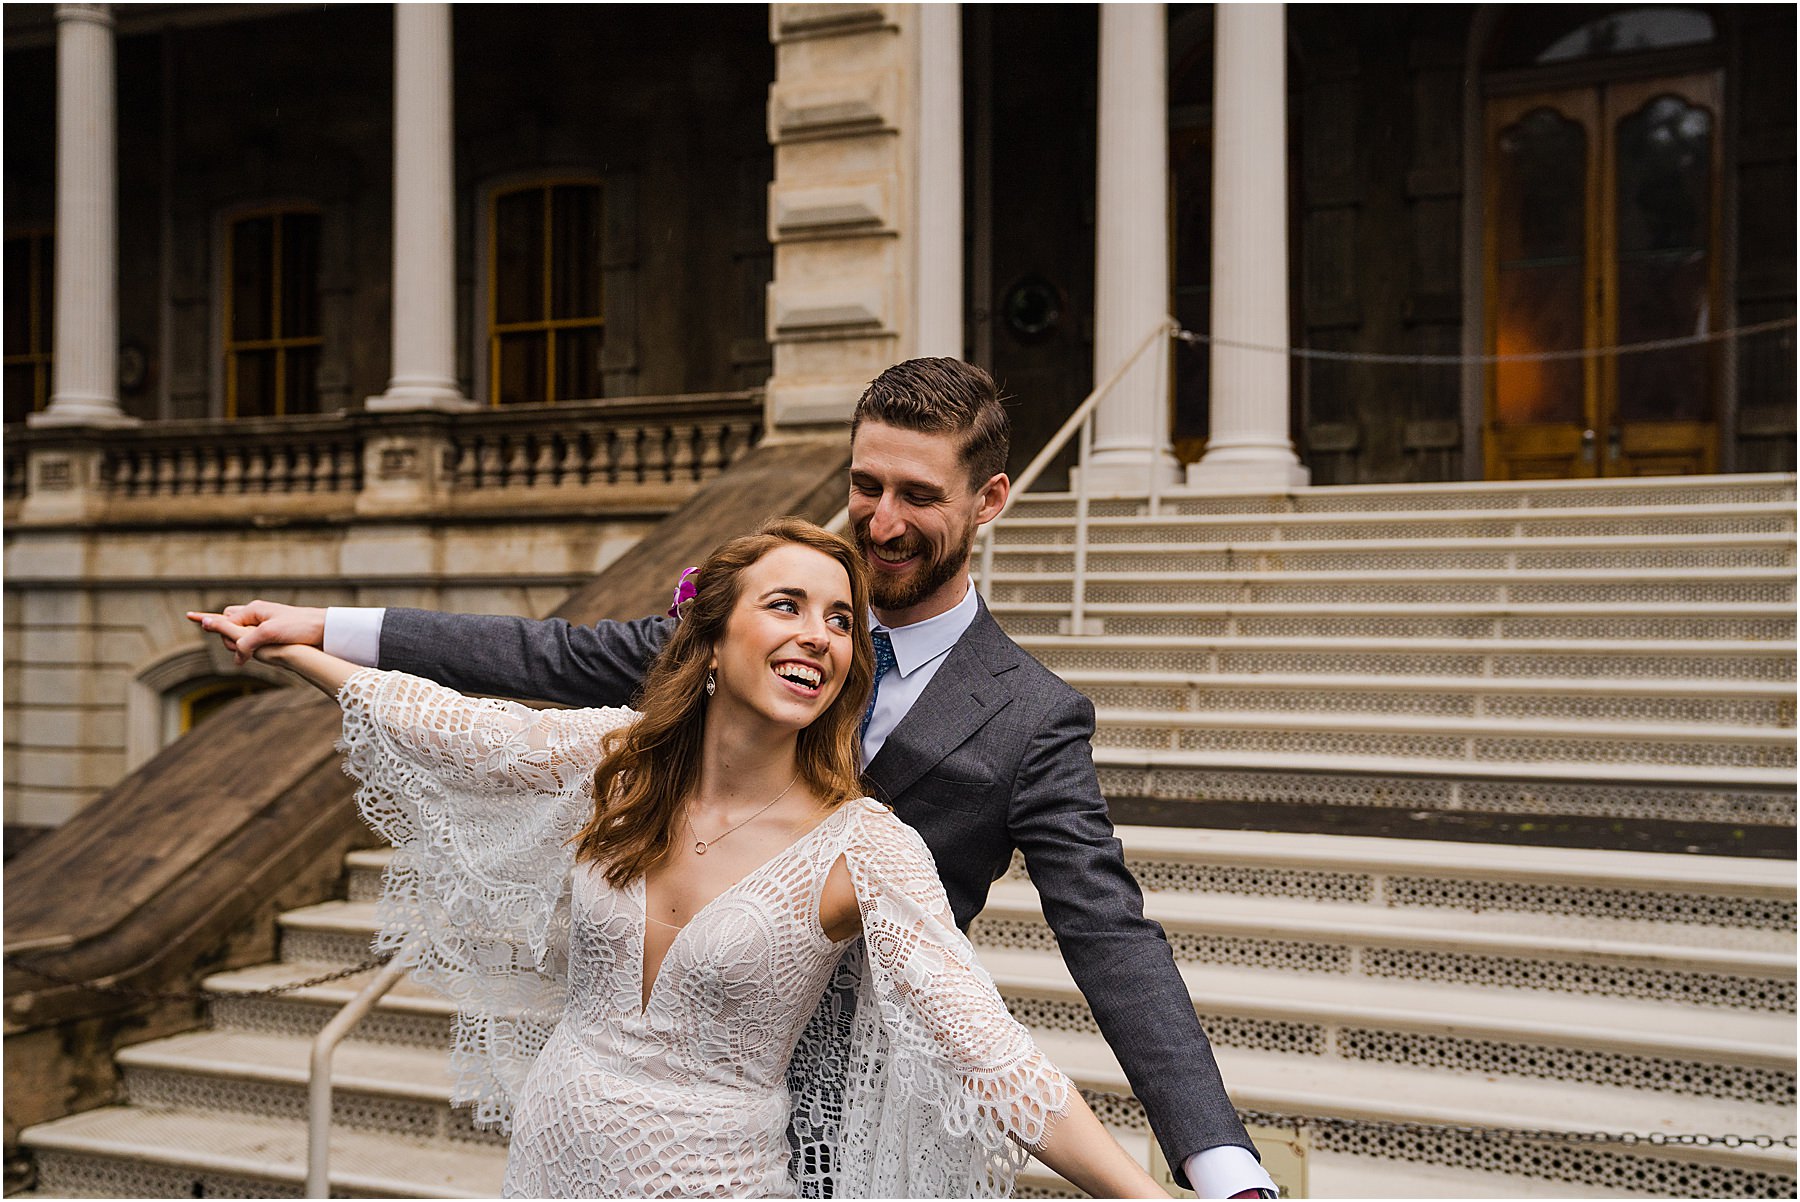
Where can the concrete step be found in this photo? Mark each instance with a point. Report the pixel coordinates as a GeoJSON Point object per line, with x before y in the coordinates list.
{"type": "Point", "coordinates": [1748, 796]}
{"type": "Point", "coordinates": [1264, 1081]}
{"type": "Point", "coordinates": [128, 1151]}
{"type": "Point", "coordinates": [1697, 966]}
{"type": "Point", "coordinates": [1031, 528]}
{"type": "Point", "coordinates": [1429, 736]}
{"type": "Point", "coordinates": [1384, 1123]}
{"type": "Point", "coordinates": [1162, 585]}
{"type": "Point", "coordinates": [1661, 494]}
{"type": "Point", "coordinates": [1627, 1043]}
{"type": "Point", "coordinates": [1755, 1054]}
{"type": "Point", "coordinates": [1646, 553]}
{"type": "Point", "coordinates": [1607, 659]}
{"type": "Point", "coordinates": [398, 1088]}
{"type": "Point", "coordinates": [1662, 622]}
{"type": "Point", "coordinates": [1734, 702]}
{"type": "Point", "coordinates": [1634, 897]}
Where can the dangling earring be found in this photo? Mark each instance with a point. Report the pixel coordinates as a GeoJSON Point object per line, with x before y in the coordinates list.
{"type": "Point", "coordinates": [712, 685]}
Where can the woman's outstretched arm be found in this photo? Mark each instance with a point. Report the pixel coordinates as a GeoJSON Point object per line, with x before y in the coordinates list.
{"type": "Point", "coordinates": [328, 672]}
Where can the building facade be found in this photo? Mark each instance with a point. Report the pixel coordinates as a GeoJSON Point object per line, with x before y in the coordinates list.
{"type": "Point", "coordinates": [444, 304]}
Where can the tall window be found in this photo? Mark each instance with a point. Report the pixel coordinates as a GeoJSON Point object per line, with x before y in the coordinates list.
{"type": "Point", "coordinates": [272, 335]}
{"type": "Point", "coordinates": [29, 274]}
{"type": "Point", "coordinates": [545, 318]}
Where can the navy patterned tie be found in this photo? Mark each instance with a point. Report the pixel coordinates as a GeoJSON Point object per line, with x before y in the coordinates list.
{"type": "Point", "coordinates": [884, 660]}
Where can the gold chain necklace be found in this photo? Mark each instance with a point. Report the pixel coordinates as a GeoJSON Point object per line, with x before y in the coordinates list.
{"type": "Point", "coordinates": [700, 845]}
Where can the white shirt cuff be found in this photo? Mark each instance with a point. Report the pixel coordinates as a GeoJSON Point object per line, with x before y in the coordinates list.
{"type": "Point", "coordinates": [354, 633]}
{"type": "Point", "coordinates": [1226, 1170]}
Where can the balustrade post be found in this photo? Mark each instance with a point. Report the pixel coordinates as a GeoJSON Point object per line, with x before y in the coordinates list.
{"type": "Point", "coordinates": [64, 481]}
{"type": "Point", "coordinates": [408, 465]}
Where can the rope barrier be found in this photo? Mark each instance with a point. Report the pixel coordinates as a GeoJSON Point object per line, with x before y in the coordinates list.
{"type": "Point", "coordinates": [1601, 352]}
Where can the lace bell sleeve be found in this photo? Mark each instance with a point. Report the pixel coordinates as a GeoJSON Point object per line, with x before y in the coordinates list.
{"type": "Point", "coordinates": [479, 798]}
{"type": "Point", "coordinates": [961, 1071]}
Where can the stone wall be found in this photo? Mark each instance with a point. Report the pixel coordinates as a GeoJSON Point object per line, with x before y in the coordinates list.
{"type": "Point", "coordinates": [110, 538]}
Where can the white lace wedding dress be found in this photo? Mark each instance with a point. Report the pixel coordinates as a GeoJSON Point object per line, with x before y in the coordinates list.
{"type": "Point", "coordinates": [896, 1065]}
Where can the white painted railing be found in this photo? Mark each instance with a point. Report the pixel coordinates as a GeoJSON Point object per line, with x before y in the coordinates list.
{"type": "Point", "coordinates": [1080, 425]}
{"type": "Point", "coordinates": [318, 1085]}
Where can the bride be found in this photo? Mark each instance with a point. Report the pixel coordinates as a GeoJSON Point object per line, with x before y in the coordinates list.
{"type": "Point", "coordinates": [643, 918]}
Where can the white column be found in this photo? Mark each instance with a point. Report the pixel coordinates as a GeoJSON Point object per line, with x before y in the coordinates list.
{"type": "Point", "coordinates": [85, 377]}
{"type": "Point", "coordinates": [939, 280]}
{"type": "Point", "coordinates": [1131, 262]}
{"type": "Point", "coordinates": [424, 285]}
{"type": "Point", "coordinates": [1248, 445]}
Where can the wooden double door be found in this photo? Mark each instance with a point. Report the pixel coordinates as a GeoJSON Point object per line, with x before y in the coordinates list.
{"type": "Point", "coordinates": [1602, 230]}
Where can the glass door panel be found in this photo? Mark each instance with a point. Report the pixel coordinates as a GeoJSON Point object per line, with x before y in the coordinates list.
{"type": "Point", "coordinates": [1541, 257]}
{"type": "Point", "coordinates": [1662, 274]}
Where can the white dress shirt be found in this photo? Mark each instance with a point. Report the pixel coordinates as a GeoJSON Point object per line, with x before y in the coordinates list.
{"type": "Point", "coordinates": [919, 651]}
{"type": "Point", "coordinates": [354, 633]}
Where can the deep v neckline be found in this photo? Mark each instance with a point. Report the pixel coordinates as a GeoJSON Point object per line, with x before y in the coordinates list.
{"type": "Point", "coordinates": [647, 996]}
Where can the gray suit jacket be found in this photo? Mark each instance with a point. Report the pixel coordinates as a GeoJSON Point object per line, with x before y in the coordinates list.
{"type": "Point", "coordinates": [994, 755]}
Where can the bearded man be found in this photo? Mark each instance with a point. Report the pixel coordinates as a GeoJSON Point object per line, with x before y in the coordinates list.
{"type": "Point", "coordinates": [971, 740]}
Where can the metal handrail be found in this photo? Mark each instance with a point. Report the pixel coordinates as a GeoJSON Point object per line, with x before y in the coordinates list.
{"type": "Point", "coordinates": [1080, 421]}
{"type": "Point", "coordinates": [318, 1085]}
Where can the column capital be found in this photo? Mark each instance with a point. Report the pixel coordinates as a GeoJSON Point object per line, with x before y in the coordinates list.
{"type": "Point", "coordinates": [98, 14]}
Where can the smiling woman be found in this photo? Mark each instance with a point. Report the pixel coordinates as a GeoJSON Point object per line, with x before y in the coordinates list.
{"type": "Point", "coordinates": [648, 922]}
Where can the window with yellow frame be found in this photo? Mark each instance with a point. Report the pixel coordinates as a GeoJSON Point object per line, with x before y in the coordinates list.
{"type": "Point", "coordinates": [202, 702]}
{"type": "Point", "coordinates": [30, 275]}
{"type": "Point", "coordinates": [272, 338]}
{"type": "Point", "coordinates": [545, 312]}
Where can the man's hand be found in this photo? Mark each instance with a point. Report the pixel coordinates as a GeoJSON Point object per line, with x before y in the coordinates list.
{"type": "Point", "coordinates": [262, 623]}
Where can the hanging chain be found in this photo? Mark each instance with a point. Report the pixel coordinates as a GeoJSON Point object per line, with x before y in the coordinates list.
{"type": "Point", "coordinates": [153, 995]}
{"type": "Point", "coordinates": [1598, 352]}
{"type": "Point", "coordinates": [1654, 1139]}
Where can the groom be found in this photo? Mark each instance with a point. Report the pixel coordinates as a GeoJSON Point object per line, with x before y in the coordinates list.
{"type": "Point", "coordinates": [976, 744]}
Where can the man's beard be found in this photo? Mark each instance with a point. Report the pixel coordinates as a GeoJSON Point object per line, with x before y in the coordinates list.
{"type": "Point", "coordinates": [904, 592]}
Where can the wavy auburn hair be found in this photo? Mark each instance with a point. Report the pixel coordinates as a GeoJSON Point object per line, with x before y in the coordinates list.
{"type": "Point", "coordinates": [654, 763]}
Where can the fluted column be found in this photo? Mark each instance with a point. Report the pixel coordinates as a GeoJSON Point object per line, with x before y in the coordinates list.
{"type": "Point", "coordinates": [1131, 264]}
{"type": "Point", "coordinates": [1249, 444]}
{"type": "Point", "coordinates": [939, 288]}
{"type": "Point", "coordinates": [424, 283]}
{"type": "Point", "coordinates": [85, 377]}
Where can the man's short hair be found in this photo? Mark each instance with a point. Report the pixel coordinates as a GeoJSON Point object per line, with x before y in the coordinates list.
{"type": "Point", "coordinates": [942, 396]}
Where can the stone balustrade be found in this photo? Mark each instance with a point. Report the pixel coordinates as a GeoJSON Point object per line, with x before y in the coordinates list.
{"type": "Point", "coordinates": [490, 457]}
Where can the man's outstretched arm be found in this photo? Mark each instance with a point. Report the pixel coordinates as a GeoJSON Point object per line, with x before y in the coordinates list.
{"type": "Point", "coordinates": [548, 660]}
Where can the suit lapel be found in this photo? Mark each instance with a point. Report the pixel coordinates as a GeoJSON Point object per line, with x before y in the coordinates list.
{"type": "Point", "coordinates": [961, 699]}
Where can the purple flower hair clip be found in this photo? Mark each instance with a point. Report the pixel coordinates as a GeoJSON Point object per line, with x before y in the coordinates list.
{"type": "Point", "coordinates": [685, 591]}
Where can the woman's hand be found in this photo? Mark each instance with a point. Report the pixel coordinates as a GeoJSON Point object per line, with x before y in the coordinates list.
{"type": "Point", "coordinates": [328, 672]}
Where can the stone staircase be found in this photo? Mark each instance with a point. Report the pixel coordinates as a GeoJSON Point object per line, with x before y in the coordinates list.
{"type": "Point", "coordinates": [1620, 651]}
{"type": "Point", "coordinates": [1373, 983]}
{"type": "Point", "coordinates": [1617, 651]}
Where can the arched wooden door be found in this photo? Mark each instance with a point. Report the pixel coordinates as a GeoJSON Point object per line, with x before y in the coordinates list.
{"type": "Point", "coordinates": [1603, 219]}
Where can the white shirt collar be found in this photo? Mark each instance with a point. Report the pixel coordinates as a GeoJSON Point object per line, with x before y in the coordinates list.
{"type": "Point", "coordinates": [921, 642]}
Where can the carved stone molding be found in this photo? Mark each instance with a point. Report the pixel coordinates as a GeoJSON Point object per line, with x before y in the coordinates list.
{"type": "Point", "coordinates": [831, 210]}
{"type": "Point", "coordinates": [850, 309]}
{"type": "Point", "coordinates": [794, 22]}
{"type": "Point", "coordinates": [835, 106]}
